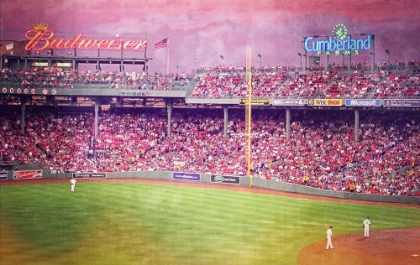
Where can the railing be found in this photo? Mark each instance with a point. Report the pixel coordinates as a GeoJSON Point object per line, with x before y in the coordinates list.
{"type": "Point", "coordinates": [175, 85]}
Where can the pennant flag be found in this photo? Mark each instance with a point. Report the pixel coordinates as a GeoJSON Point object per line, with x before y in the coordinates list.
{"type": "Point", "coordinates": [161, 44]}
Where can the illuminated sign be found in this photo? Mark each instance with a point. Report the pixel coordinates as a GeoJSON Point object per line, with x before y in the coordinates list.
{"type": "Point", "coordinates": [41, 38]}
{"type": "Point", "coordinates": [63, 65]}
{"type": "Point", "coordinates": [289, 102]}
{"type": "Point", "coordinates": [255, 101]}
{"type": "Point", "coordinates": [334, 102]}
{"type": "Point", "coordinates": [40, 64]}
{"type": "Point", "coordinates": [363, 102]}
{"type": "Point", "coordinates": [339, 42]}
{"type": "Point", "coordinates": [340, 31]}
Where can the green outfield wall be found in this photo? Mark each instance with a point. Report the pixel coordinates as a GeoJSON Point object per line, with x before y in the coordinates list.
{"type": "Point", "coordinates": [241, 181]}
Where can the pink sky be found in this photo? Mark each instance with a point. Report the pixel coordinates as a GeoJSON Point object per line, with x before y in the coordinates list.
{"type": "Point", "coordinates": [208, 29]}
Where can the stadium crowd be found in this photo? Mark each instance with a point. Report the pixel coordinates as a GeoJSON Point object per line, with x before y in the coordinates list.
{"type": "Point", "coordinates": [320, 153]}
{"type": "Point", "coordinates": [221, 82]}
{"type": "Point", "coordinates": [64, 78]}
{"type": "Point", "coordinates": [322, 84]}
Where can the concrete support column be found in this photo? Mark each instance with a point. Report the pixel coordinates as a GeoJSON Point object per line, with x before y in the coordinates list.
{"type": "Point", "coordinates": [225, 120]}
{"type": "Point", "coordinates": [96, 117]}
{"type": "Point", "coordinates": [349, 66]}
{"type": "Point", "coordinates": [23, 120]}
{"type": "Point", "coordinates": [327, 63]}
{"type": "Point", "coordinates": [287, 124]}
{"type": "Point", "coordinates": [169, 108]}
{"type": "Point", "coordinates": [356, 125]}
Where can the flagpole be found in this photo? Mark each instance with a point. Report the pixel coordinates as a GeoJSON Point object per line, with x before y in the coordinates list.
{"type": "Point", "coordinates": [167, 63]}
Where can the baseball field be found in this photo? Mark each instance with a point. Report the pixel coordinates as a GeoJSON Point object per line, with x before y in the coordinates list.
{"type": "Point", "coordinates": [147, 222]}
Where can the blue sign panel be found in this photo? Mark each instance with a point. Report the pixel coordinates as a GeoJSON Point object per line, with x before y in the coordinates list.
{"type": "Point", "coordinates": [363, 102]}
{"type": "Point", "coordinates": [186, 176]}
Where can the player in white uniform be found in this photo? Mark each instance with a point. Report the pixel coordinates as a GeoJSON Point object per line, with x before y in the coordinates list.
{"type": "Point", "coordinates": [73, 184]}
{"type": "Point", "coordinates": [366, 226]}
{"type": "Point", "coordinates": [329, 237]}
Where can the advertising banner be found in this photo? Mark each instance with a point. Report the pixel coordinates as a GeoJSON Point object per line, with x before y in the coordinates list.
{"type": "Point", "coordinates": [186, 176]}
{"type": "Point", "coordinates": [330, 102]}
{"type": "Point", "coordinates": [224, 179]}
{"type": "Point", "coordinates": [3, 175]}
{"type": "Point", "coordinates": [363, 102]}
{"type": "Point", "coordinates": [88, 175]}
{"type": "Point", "coordinates": [27, 174]}
{"type": "Point", "coordinates": [289, 102]}
{"type": "Point", "coordinates": [255, 101]}
{"type": "Point", "coordinates": [415, 103]}
{"type": "Point", "coordinates": [41, 38]}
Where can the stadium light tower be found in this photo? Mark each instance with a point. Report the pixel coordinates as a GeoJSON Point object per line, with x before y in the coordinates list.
{"type": "Point", "coordinates": [301, 63]}
{"type": "Point", "coordinates": [388, 55]}
{"type": "Point", "coordinates": [349, 63]}
{"type": "Point", "coordinates": [122, 52]}
{"type": "Point", "coordinates": [260, 56]}
{"type": "Point", "coordinates": [122, 45]}
{"type": "Point", "coordinates": [305, 54]}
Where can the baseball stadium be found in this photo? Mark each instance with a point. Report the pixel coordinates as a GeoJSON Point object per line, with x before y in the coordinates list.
{"type": "Point", "coordinates": [105, 161]}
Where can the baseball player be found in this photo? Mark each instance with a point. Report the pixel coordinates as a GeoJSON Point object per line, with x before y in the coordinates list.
{"type": "Point", "coordinates": [329, 237]}
{"type": "Point", "coordinates": [73, 184]}
{"type": "Point", "coordinates": [366, 226]}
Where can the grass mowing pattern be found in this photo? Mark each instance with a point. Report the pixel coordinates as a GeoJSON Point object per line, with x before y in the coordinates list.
{"type": "Point", "coordinates": [139, 223]}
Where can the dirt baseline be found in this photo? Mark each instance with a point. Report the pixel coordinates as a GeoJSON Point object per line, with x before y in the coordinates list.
{"type": "Point", "coordinates": [385, 247]}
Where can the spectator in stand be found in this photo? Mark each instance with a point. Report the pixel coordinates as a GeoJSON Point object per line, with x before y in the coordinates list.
{"type": "Point", "coordinates": [320, 153]}
{"type": "Point", "coordinates": [58, 78]}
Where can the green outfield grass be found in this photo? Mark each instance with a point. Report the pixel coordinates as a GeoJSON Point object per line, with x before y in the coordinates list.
{"type": "Point", "coordinates": [140, 223]}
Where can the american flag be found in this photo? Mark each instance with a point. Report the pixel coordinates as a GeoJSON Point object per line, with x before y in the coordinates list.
{"type": "Point", "coordinates": [161, 44]}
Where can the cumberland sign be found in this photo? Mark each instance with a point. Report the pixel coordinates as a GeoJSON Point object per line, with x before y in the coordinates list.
{"type": "Point", "coordinates": [41, 38]}
{"type": "Point", "coordinates": [339, 42]}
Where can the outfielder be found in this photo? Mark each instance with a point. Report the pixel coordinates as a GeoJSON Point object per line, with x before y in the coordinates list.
{"type": "Point", "coordinates": [366, 226]}
{"type": "Point", "coordinates": [329, 237]}
{"type": "Point", "coordinates": [73, 184]}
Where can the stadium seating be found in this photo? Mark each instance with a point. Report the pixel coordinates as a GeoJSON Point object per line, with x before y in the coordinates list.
{"type": "Point", "coordinates": [228, 82]}
{"type": "Point", "coordinates": [321, 151]}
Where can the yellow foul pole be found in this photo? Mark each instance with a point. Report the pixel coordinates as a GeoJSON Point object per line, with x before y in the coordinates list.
{"type": "Point", "coordinates": [248, 112]}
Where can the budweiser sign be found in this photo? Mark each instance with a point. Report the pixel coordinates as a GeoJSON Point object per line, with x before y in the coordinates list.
{"type": "Point", "coordinates": [41, 38]}
{"type": "Point", "coordinates": [27, 174]}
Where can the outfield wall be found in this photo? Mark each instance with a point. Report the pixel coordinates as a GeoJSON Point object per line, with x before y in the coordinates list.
{"type": "Point", "coordinates": [245, 181]}
{"type": "Point", "coordinates": [288, 187]}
